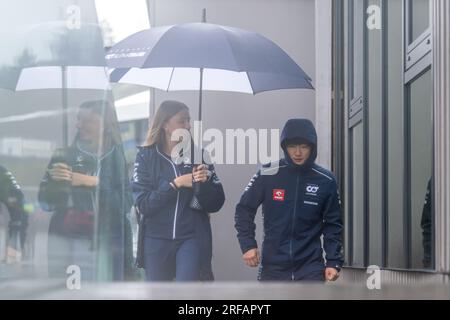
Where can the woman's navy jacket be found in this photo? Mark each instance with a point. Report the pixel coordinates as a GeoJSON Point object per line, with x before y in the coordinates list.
{"type": "Point", "coordinates": [167, 211]}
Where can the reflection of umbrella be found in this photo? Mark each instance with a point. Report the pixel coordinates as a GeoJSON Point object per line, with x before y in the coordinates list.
{"type": "Point", "coordinates": [57, 57]}
{"type": "Point", "coordinates": [202, 56]}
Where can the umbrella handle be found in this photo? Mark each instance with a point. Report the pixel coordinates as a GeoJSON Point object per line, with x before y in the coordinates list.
{"type": "Point", "coordinates": [65, 120]}
{"type": "Point", "coordinates": [200, 101]}
{"type": "Point", "coordinates": [200, 96]}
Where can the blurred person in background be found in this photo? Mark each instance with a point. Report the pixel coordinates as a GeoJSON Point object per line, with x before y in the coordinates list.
{"type": "Point", "coordinates": [12, 197]}
{"type": "Point", "coordinates": [86, 187]}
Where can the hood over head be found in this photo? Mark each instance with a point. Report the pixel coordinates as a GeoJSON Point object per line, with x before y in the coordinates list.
{"type": "Point", "coordinates": [299, 131]}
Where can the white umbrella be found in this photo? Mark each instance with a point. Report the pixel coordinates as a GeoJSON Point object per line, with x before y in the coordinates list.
{"type": "Point", "coordinates": [55, 56]}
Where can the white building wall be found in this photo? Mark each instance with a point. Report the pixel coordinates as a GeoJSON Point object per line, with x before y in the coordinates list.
{"type": "Point", "coordinates": [323, 42]}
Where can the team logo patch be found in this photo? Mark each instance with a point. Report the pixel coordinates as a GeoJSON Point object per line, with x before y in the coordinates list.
{"type": "Point", "coordinates": [278, 194]}
{"type": "Point", "coordinates": [311, 189]}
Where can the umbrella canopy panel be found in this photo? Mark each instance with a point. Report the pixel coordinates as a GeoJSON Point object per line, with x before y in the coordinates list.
{"type": "Point", "coordinates": [51, 51]}
{"type": "Point", "coordinates": [225, 53]}
{"type": "Point", "coordinates": [174, 79]}
{"type": "Point", "coordinates": [51, 77]}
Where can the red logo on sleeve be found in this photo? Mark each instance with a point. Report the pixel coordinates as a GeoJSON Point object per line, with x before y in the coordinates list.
{"type": "Point", "coordinates": [278, 194]}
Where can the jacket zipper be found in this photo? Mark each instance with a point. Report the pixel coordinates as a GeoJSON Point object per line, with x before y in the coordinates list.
{"type": "Point", "coordinates": [178, 196]}
{"type": "Point", "coordinates": [293, 223]}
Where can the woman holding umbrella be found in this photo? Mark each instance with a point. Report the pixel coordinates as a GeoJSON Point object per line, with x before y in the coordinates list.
{"type": "Point", "coordinates": [87, 188]}
{"type": "Point", "coordinates": [177, 238]}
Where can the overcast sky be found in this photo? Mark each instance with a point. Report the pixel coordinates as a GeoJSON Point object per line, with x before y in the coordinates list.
{"type": "Point", "coordinates": [124, 17]}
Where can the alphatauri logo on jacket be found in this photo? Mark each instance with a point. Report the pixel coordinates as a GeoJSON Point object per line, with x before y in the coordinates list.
{"type": "Point", "coordinates": [311, 189]}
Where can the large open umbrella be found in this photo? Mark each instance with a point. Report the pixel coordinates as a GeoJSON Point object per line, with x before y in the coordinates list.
{"type": "Point", "coordinates": [54, 56]}
{"type": "Point", "coordinates": [203, 56]}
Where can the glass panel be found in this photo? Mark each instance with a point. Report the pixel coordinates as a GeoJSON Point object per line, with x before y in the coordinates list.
{"type": "Point", "coordinates": [357, 49]}
{"type": "Point", "coordinates": [421, 117]}
{"type": "Point", "coordinates": [345, 191]}
{"type": "Point", "coordinates": [395, 194]}
{"type": "Point", "coordinates": [65, 203]}
{"type": "Point", "coordinates": [376, 144]}
{"type": "Point", "coordinates": [358, 196]}
{"type": "Point", "coordinates": [115, 24]}
{"type": "Point", "coordinates": [420, 15]}
{"type": "Point", "coordinates": [347, 205]}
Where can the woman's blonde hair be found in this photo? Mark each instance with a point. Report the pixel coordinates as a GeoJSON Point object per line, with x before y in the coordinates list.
{"type": "Point", "coordinates": [166, 110]}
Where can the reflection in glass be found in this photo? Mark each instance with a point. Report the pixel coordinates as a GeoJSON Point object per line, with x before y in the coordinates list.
{"type": "Point", "coordinates": [420, 15]}
{"type": "Point", "coordinates": [421, 157]}
{"type": "Point", "coordinates": [115, 24]}
{"type": "Point", "coordinates": [375, 130]}
{"type": "Point", "coordinates": [427, 227]}
{"type": "Point", "coordinates": [77, 214]}
{"type": "Point", "coordinates": [13, 201]}
{"type": "Point", "coordinates": [86, 187]}
{"type": "Point", "coordinates": [396, 137]}
{"type": "Point", "coordinates": [357, 30]}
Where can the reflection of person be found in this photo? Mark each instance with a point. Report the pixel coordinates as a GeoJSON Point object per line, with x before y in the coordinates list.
{"type": "Point", "coordinates": [300, 203]}
{"type": "Point", "coordinates": [12, 197]}
{"type": "Point", "coordinates": [86, 187]}
{"type": "Point", "coordinates": [177, 237]}
{"type": "Point", "coordinates": [426, 227]}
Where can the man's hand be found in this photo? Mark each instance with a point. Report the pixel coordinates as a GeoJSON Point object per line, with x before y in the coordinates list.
{"type": "Point", "coordinates": [251, 257]}
{"type": "Point", "coordinates": [331, 274]}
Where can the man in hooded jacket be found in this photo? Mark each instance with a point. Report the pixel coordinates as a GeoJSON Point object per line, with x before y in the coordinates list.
{"type": "Point", "coordinates": [300, 204]}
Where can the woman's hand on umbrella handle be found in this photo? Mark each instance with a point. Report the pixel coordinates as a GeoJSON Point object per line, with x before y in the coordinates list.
{"type": "Point", "coordinates": [200, 173]}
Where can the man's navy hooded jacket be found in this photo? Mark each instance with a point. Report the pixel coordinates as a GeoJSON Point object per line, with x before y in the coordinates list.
{"type": "Point", "coordinates": [300, 203]}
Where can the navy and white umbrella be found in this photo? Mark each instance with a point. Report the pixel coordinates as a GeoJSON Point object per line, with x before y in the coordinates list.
{"type": "Point", "coordinates": [203, 56]}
